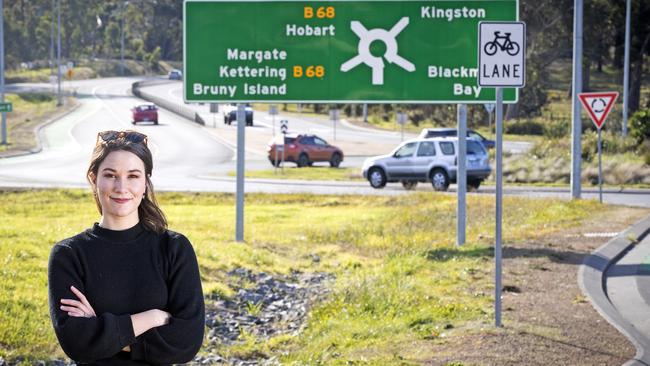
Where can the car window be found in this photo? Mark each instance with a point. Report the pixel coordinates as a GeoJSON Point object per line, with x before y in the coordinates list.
{"type": "Point", "coordinates": [474, 148]}
{"type": "Point", "coordinates": [307, 140]}
{"type": "Point", "coordinates": [447, 148]}
{"type": "Point", "coordinates": [406, 150]}
{"type": "Point", "coordinates": [320, 141]}
{"type": "Point", "coordinates": [289, 140]}
{"type": "Point", "coordinates": [426, 148]}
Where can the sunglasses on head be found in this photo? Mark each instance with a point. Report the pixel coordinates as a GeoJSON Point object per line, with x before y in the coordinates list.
{"type": "Point", "coordinates": [128, 135]}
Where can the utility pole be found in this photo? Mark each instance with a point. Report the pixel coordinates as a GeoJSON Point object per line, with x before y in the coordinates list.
{"type": "Point", "coordinates": [576, 133]}
{"type": "Point", "coordinates": [52, 41]}
{"type": "Point", "coordinates": [59, 101]}
{"type": "Point", "coordinates": [626, 72]}
{"type": "Point", "coordinates": [122, 38]}
{"type": "Point", "coordinates": [2, 72]}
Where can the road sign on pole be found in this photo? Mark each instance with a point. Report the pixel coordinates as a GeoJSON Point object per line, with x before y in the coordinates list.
{"type": "Point", "coordinates": [292, 51]}
{"type": "Point", "coordinates": [598, 105]}
{"type": "Point", "coordinates": [502, 63]}
{"type": "Point", "coordinates": [6, 107]}
{"type": "Point", "coordinates": [501, 54]}
{"type": "Point", "coordinates": [284, 126]}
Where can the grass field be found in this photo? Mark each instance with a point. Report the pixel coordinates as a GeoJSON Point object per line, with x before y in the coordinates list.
{"type": "Point", "coordinates": [401, 282]}
{"type": "Point", "coordinates": [29, 110]}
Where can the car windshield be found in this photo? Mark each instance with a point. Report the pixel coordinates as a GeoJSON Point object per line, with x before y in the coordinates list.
{"type": "Point", "coordinates": [406, 150]}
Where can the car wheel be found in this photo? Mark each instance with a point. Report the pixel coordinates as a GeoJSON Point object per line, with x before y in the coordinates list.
{"type": "Point", "coordinates": [409, 185]}
{"type": "Point", "coordinates": [377, 178]}
{"type": "Point", "coordinates": [439, 180]}
{"type": "Point", "coordinates": [335, 160]}
{"type": "Point", "coordinates": [133, 122]}
{"type": "Point", "coordinates": [275, 163]}
{"type": "Point", "coordinates": [474, 184]}
{"type": "Point", "coordinates": [303, 160]}
{"type": "Point", "coordinates": [155, 122]}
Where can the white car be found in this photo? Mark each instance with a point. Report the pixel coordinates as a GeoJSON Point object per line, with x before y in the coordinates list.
{"type": "Point", "coordinates": [428, 160]}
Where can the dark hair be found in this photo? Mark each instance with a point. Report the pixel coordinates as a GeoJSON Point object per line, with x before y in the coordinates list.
{"type": "Point", "coordinates": [151, 216]}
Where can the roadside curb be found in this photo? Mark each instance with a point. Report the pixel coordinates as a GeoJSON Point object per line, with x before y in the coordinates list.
{"type": "Point", "coordinates": [37, 134]}
{"type": "Point", "coordinates": [592, 281]}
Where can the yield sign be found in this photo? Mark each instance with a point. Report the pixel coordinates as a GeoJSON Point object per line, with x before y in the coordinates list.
{"type": "Point", "coordinates": [598, 105]}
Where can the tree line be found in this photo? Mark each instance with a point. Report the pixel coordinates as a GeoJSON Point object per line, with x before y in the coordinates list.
{"type": "Point", "coordinates": [152, 30]}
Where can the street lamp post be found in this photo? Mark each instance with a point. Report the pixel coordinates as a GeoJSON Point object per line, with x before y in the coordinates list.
{"type": "Point", "coordinates": [122, 38]}
{"type": "Point", "coordinates": [2, 72]}
{"type": "Point", "coordinates": [59, 100]}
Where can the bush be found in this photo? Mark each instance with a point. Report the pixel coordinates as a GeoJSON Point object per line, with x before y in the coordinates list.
{"type": "Point", "coordinates": [557, 129]}
{"type": "Point", "coordinates": [612, 143]}
{"type": "Point", "coordinates": [640, 126]}
{"type": "Point", "coordinates": [524, 127]}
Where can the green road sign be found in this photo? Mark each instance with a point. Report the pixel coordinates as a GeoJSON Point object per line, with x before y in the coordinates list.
{"type": "Point", "coordinates": [6, 107]}
{"type": "Point", "coordinates": [337, 51]}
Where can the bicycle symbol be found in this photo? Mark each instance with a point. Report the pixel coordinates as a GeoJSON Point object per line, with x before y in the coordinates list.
{"type": "Point", "coordinates": [512, 48]}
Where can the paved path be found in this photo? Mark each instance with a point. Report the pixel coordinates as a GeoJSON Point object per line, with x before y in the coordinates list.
{"type": "Point", "coordinates": [616, 278]}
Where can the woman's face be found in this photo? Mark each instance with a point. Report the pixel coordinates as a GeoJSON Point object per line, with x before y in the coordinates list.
{"type": "Point", "coordinates": [120, 185]}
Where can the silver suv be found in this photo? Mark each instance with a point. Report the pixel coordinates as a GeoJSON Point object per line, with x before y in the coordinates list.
{"type": "Point", "coordinates": [427, 160]}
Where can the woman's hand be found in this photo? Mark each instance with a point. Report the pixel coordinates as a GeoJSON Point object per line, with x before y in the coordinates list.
{"type": "Point", "coordinates": [146, 320]}
{"type": "Point", "coordinates": [78, 308]}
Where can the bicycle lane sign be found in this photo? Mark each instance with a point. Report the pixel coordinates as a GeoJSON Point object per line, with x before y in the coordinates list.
{"type": "Point", "coordinates": [501, 56]}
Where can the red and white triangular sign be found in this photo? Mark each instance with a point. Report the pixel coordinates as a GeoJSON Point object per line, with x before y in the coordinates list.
{"type": "Point", "coordinates": [598, 105]}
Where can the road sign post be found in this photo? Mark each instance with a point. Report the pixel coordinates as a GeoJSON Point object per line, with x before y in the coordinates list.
{"type": "Point", "coordinates": [334, 115]}
{"type": "Point", "coordinates": [241, 130]}
{"type": "Point", "coordinates": [598, 106]}
{"type": "Point", "coordinates": [284, 128]}
{"type": "Point", "coordinates": [489, 107]}
{"type": "Point", "coordinates": [502, 63]}
{"type": "Point", "coordinates": [273, 111]}
{"type": "Point", "coordinates": [401, 119]}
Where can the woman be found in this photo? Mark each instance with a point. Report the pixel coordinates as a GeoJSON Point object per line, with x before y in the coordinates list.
{"type": "Point", "coordinates": [126, 291]}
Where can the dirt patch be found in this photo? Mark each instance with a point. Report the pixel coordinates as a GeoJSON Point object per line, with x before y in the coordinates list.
{"type": "Point", "coordinates": [547, 320]}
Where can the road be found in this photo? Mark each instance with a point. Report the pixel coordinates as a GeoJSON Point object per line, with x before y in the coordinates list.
{"type": "Point", "coordinates": [190, 157]}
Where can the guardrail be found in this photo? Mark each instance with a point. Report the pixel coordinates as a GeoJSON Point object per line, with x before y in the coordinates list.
{"type": "Point", "coordinates": [179, 109]}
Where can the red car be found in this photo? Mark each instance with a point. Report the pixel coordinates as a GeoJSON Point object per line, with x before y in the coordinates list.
{"type": "Point", "coordinates": [145, 112]}
{"type": "Point", "coordinates": [304, 150]}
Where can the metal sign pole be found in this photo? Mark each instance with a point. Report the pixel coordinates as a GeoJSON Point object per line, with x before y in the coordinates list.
{"type": "Point", "coordinates": [2, 73]}
{"type": "Point", "coordinates": [461, 176]}
{"type": "Point", "coordinates": [499, 206]}
{"type": "Point", "coordinates": [600, 170]}
{"type": "Point", "coordinates": [576, 133]}
{"type": "Point", "coordinates": [241, 130]}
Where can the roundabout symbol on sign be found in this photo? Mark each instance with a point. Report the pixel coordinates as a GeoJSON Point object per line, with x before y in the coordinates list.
{"type": "Point", "coordinates": [366, 37]}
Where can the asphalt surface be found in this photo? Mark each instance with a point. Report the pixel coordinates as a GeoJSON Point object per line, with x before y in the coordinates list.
{"type": "Point", "coordinates": [191, 157]}
{"type": "Point", "coordinates": [616, 278]}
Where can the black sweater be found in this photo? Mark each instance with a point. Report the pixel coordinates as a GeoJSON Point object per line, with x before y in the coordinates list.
{"type": "Point", "coordinates": [123, 273]}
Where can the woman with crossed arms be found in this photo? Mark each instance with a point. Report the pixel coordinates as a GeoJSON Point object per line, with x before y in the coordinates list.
{"type": "Point", "coordinates": [126, 291]}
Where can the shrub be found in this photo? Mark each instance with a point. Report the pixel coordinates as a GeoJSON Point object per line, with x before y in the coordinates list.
{"type": "Point", "coordinates": [524, 127]}
{"type": "Point", "coordinates": [557, 129]}
{"type": "Point", "coordinates": [640, 126]}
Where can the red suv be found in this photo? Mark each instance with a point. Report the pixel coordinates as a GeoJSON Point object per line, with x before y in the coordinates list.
{"type": "Point", "coordinates": [304, 150]}
{"type": "Point", "coordinates": [145, 112]}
